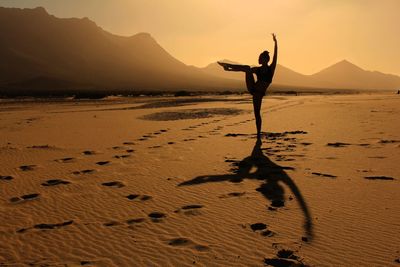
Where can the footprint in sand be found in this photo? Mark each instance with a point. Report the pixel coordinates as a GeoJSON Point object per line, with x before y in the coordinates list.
{"type": "Point", "coordinates": [65, 160]}
{"type": "Point", "coordinates": [112, 223]}
{"type": "Point", "coordinates": [157, 216]}
{"type": "Point", "coordinates": [6, 177]}
{"type": "Point", "coordinates": [101, 163]}
{"type": "Point", "coordinates": [138, 197]}
{"type": "Point", "coordinates": [128, 143]}
{"type": "Point", "coordinates": [46, 226]}
{"type": "Point", "coordinates": [387, 178]}
{"type": "Point", "coordinates": [258, 226]}
{"type": "Point", "coordinates": [233, 194]}
{"type": "Point", "coordinates": [24, 198]}
{"type": "Point", "coordinates": [276, 203]}
{"type": "Point", "coordinates": [130, 150]}
{"type": "Point", "coordinates": [389, 141]}
{"type": "Point", "coordinates": [27, 167]}
{"type": "Point", "coordinates": [83, 172]}
{"type": "Point", "coordinates": [122, 156]}
{"type": "Point", "coordinates": [190, 210]}
{"type": "Point", "coordinates": [114, 184]}
{"type": "Point", "coordinates": [40, 147]}
{"type": "Point", "coordinates": [324, 175]}
{"type": "Point", "coordinates": [185, 242]}
{"type": "Point", "coordinates": [88, 152]}
{"type": "Point", "coordinates": [54, 182]}
{"type": "Point", "coordinates": [285, 257]}
{"type": "Point", "coordinates": [338, 144]}
{"type": "Point", "coordinates": [135, 221]}
{"type": "Point", "coordinates": [84, 263]}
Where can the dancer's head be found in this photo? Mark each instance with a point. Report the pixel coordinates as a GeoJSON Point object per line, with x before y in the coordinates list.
{"type": "Point", "coordinates": [263, 59]}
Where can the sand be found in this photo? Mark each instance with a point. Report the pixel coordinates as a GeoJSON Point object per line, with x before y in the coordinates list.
{"type": "Point", "coordinates": [183, 182]}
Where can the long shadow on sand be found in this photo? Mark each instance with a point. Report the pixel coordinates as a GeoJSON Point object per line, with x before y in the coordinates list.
{"type": "Point", "coordinates": [260, 167]}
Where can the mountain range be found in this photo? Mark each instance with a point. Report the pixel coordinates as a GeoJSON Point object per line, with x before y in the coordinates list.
{"type": "Point", "coordinates": [39, 51]}
{"type": "Point", "coordinates": [342, 75]}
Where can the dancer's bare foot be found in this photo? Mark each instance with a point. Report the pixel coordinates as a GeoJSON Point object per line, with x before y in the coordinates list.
{"type": "Point", "coordinates": [234, 67]}
{"type": "Point", "coordinates": [224, 65]}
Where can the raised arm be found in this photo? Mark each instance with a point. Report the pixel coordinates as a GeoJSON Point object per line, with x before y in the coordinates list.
{"type": "Point", "coordinates": [275, 58]}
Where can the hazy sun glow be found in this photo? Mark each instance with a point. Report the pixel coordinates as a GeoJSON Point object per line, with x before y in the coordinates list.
{"type": "Point", "coordinates": [312, 33]}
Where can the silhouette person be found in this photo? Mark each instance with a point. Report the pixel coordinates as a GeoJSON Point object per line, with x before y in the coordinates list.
{"type": "Point", "coordinates": [272, 175]}
{"type": "Point", "coordinates": [264, 74]}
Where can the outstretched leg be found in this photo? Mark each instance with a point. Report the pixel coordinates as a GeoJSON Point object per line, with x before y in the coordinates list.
{"type": "Point", "coordinates": [235, 67]}
{"type": "Point", "coordinates": [250, 82]}
{"type": "Point", "coordinates": [257, 101]}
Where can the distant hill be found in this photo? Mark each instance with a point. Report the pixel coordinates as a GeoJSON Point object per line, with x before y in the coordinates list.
{"type": "Point", "coordinates": [40, 51]}
{"type": "Point", "coordinates": [347, 75]}
{"type": "Point", "coordinates": [342, 75]}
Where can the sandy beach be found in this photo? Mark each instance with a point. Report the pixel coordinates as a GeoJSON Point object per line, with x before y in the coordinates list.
{"type": "Point", "coordinates": [173, 181]}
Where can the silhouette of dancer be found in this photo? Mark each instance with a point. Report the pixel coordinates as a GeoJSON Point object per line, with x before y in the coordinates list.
{"type": "Point", "coordinates": [264, 74]}
{"type": "Point", "coordinates": [272, 176]}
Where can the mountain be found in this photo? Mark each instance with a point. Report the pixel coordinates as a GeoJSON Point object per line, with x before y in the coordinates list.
{"type": "Point", "coordinates": [342, 75]}
{"type": "Point", "coordinates": [40, 51]}
{"type": "Point", "coordinates": [347, 75]}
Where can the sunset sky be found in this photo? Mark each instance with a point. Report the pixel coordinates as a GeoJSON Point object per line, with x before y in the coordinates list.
{"type": "Point", "coordinates": [312, 34]}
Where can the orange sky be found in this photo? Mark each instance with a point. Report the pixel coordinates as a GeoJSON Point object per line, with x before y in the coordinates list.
{"type": "Point", "coordinates": [312, 34]}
